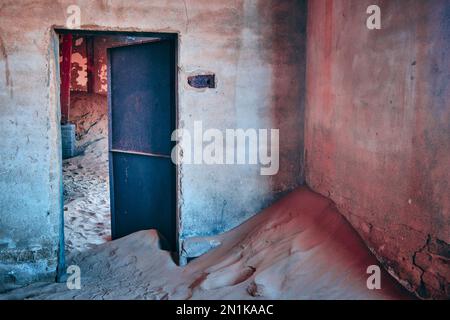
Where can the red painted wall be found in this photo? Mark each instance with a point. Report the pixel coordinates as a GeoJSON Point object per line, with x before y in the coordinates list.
{"type": "Point", "coordinates": [377, 130]}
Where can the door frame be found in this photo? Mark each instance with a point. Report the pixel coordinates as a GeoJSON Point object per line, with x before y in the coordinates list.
{"type": "Point", "coordinates": [170, 36]}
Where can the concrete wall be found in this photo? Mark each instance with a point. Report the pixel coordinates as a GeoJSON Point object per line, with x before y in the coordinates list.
{"type": "Point", "coordinates": [256, 50]}
{"type": "Point", "coordinates": [377, 137]}
{"type": "Point", "coordinates": [30, 153]}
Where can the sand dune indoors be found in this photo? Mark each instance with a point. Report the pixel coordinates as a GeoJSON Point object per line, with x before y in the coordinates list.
{"type": "Point", "coordinates": [299, 248]}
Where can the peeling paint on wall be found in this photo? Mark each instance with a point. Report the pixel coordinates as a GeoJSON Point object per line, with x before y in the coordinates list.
{"type": "Point", "coordinates": [79, 71]}
{"type": "Point", "coordinates": [103, 77]}
{"type": "Point", "coordinates": [79, 61]}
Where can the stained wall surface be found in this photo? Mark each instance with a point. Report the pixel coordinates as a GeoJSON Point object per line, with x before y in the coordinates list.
{"type": "Point", "coordinates": [377, 137]}
{"type": "Point", "coordinates": [255, 48]}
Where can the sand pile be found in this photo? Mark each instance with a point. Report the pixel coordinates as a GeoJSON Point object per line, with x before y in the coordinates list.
{"type": "Point", "coordinates": [299, 248]}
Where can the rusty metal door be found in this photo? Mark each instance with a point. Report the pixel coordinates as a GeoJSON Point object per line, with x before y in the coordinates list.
{"type": "Point", "coordinates": [141, 104]}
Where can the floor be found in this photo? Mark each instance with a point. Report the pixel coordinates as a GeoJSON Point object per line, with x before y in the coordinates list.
{"type": "Point", "coordinates": [299, 248]}
{"type": "Point", "coordinates": [86, 200]}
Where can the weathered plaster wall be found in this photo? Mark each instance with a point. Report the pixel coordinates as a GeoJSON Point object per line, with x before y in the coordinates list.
{"type": "Point", "coordinates": [377, 138]}
{"type": "Point", "coordinates": [256, 49]}
{"type": "Point", "coordinates": [30, 154]}
{"type": "Point", "coordinates": [78, 77]}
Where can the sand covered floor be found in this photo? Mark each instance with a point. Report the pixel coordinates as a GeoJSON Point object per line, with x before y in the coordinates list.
{"type": "Point", "coordinates": [86, 199]}
{"type": "Point", "coordinates": [299, 248]}
{"type": "Point", "coordinates": [86, 179]}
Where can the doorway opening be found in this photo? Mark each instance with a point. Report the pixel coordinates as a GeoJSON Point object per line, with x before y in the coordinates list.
{"type": "Point", "coordinates": [118, 110]}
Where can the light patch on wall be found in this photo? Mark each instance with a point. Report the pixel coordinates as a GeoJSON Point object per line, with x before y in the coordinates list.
{"type": "Point", "coordinates": [79, 42]}
{"type": "Point", "coordinates": [102, 74]}
{"type": "Point", "coordinates": [79, 66]}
